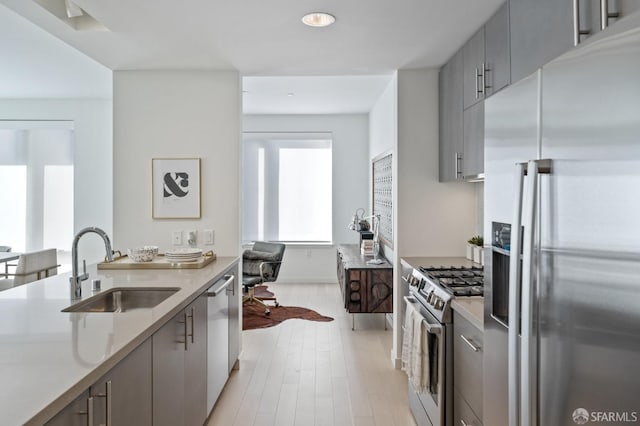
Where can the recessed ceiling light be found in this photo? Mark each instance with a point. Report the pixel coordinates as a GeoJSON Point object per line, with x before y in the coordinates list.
{"type": "Point", "coordinates": [318, 19]}
{"type": "Point", "coordinates": [290, 94]}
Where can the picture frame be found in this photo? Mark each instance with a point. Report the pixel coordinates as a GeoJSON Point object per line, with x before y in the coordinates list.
{"type": "Point", "coordinates": [175, 188]}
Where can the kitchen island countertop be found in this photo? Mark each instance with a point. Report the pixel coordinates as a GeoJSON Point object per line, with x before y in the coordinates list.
{"type": "Point", "coordinates": [49, 357]}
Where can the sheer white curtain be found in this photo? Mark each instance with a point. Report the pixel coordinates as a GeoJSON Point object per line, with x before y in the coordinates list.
{"type": "Point", "coordinates": [287, 187]}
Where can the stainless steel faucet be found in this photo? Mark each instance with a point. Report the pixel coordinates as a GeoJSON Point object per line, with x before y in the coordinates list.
{"type": "Point", "coordinates": [75, 279]}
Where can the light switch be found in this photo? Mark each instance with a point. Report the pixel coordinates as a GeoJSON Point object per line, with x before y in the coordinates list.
{"type": "Point", "coordinates": [176, 238]}
{"type": "Point", "coordinates": [207, 236]}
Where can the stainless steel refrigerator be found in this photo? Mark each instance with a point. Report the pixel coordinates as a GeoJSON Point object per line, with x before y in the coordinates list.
{"type": "Point", "coordinates": [562, 233]}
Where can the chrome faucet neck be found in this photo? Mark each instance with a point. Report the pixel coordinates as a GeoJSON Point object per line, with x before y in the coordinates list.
{"type": "Point", "coordinates": [76, 279]}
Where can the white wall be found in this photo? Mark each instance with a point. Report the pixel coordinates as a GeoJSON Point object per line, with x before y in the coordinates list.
{"type": "Point", "coordinates": [434, 219]}
{"type": "Point", "coordinates": [350, 186]}
{"type": "Point", "coordinates": [93, 189]}
{"type": "Point", "coordinates": [383, 121]}
{"type": "Point", "coordinates": [184, 114]}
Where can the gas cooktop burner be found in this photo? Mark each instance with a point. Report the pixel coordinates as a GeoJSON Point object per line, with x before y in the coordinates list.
{"type": "Point", "coordinates": [460, 281]}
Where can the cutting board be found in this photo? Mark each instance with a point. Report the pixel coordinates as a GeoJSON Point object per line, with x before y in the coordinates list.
{"type": "Point", "coordinates": [159, 262]}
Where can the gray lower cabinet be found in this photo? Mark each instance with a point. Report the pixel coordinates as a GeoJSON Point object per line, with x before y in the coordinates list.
{"type": "Point", "coordinates": [467, 371]}
{"type": "Point", "coordinates": [74, 414]}
{"type": "Point", "coordinates": [235, 297]}
{"type": "Point", "coordinates": [120, 397]}
{"type": "Point", "coordinates": [180, 368]}
{"type": "Point", "coordinates": [450, 119]}
{"type": "Point", "coordinates": [473, 141]}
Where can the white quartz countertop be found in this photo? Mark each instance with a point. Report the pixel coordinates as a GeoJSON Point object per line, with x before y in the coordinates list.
{"type": "Point", "coordinates": [472, 309]}
{"type": "Point", "coordinates": [49, 357]}
{"type": "Point", "coordinates": [439, 261]}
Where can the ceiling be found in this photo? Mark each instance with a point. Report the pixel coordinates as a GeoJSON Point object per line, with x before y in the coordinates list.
{"type": "Point", "coordinates": [36, 65]}
{"type": "Point", "coordinates": [260, 38]}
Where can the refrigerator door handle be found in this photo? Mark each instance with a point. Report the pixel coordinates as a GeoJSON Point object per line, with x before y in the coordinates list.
{"type": "Point", "coordinates": [514, 296]}
{"type": "Point", "coordinates": [526, 323]}
{"type": "Point", "coordinates": [528, 370]}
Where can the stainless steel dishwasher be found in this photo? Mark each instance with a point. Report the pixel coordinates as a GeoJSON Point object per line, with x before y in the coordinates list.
{"type": "Point", "coordinates": [218, 337]}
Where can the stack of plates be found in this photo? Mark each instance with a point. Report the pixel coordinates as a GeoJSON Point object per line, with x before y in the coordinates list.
{"type": "Point", "coordinates": [183, 255]}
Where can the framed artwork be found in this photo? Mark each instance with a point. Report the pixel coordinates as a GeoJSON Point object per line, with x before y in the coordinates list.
{"type": "Point", "coordinates": [175, 188]}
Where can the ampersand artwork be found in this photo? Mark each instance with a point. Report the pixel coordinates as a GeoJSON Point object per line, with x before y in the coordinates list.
{"type": "Point", "coordinates": [173, 185]}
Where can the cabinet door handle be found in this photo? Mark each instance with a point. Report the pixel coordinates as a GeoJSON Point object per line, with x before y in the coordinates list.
{"type": "Point", "coordinates": [477, 89]}
{"type": "Point", "coordinates": [186, 331]}
{"type": "Point", "coordinates": [577, 31]}
{"type": "Point", "coordinates": [458, 169]}
{"type": "Point", "coordinates": [193, 330]}
{"type": "Point", "coordinates": [485, 86]}
{"type": "Point", "coordinates": [470, 343]}
{"type": "Point", "coordinates": [605, 15]}
{"type": "Point", "coordinates": [89, 412]}
{"type": "Point", "coordinates": [108, 397]}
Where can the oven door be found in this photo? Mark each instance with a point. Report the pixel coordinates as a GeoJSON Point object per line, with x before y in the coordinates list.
{"type": "Point", "coordinates": [436, 401]}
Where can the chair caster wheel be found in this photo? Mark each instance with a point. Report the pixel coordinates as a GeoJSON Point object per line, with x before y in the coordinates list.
{"type": "Point", "coordinates": [267, 312]}
{"type": "Point", "coordinates": [277, 304]}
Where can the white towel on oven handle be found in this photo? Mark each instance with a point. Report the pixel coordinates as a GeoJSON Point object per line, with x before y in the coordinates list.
{"type": "Point", "coordinates": [415, 350]}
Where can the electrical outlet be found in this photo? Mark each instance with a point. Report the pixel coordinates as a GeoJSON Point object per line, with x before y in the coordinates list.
{"type": "Point", "coordinates": [192, 238]}
{"type": "Point", "coordinates": [176, 238]}
{"type": "Point", "coordinates": [207, 236]}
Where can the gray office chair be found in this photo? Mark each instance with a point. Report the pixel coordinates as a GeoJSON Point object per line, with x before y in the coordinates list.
{"type": "Point", "coordinates": [259, 265]}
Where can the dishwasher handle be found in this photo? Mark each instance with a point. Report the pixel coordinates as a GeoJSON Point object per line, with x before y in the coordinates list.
{"type": "Point", "coordinates": [216, 290]}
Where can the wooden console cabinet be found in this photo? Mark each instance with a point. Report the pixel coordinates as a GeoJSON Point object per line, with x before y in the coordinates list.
{"type": "Point", "coordinates": [365, 288]}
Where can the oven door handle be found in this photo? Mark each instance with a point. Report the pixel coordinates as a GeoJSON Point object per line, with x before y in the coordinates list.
{"type": "Point", "coordinates": [432, 328]}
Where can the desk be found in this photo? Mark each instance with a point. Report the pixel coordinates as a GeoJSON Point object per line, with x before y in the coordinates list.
{"type": "Point", "coordinates": [366, 288]}
{"type": "Point", "coordinates": [6, 257]}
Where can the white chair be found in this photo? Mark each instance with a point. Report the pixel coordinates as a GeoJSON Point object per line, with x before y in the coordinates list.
{"type": "Point", "coordinates": [32, 266]}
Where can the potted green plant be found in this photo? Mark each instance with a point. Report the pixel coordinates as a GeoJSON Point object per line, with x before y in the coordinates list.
{"type": "Point", "coordinates": [474, 248]}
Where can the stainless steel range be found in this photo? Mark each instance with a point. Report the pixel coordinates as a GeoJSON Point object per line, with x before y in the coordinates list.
{"type": "Point", "coordinates": [431, 290]}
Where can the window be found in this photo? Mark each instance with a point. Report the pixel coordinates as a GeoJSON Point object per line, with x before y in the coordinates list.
{"type": "Point", "coordinates": [287, 187]}
{"type": "Point", "coordinates": [36, 204]}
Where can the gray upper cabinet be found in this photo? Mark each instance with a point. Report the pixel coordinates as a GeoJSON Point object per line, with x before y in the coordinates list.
{"type": "Point", "coordinates": [450, 85]}
{"type": "Point", "coordinates": [479, 69]}
{"type": "Point", "coordinates": [542, 30]}
{"type": "Point", "coordinates": [497, 51]}
{"type": "Point", "coordinates": [473, 152]}
{"type": "Point", "coordinates": [474, 69]}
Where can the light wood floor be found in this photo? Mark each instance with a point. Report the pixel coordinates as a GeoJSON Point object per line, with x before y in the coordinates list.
{"type": "Point", "coordinates": [315, 373]}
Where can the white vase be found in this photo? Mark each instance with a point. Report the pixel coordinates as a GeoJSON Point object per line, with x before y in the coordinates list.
{"type": "Point", "coordinates": [477, 253]}
{"type": "Point", "coordinates": [470, 251]}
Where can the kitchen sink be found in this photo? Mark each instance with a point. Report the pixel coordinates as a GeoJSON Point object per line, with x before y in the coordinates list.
{"type": "Point", "coordinates": [124, 299]}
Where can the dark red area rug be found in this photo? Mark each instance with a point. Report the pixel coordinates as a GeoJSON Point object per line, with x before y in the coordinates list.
{"type": "Point", "coordinates": [253, 316]}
